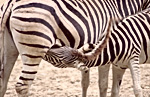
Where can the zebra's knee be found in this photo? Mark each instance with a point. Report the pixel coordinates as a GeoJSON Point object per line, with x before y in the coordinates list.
{"type": "Point", "coordinates": [103, 89]}
{"type": "Point", "coordinates": [103, 86]}
{"type": "Point", "coordinates": [22, 89]}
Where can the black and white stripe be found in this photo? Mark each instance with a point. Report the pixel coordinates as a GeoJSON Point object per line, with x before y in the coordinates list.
{"type": "Point", "coordinates": [36, 25]}
{"type": "Point", "coordinates": [128, 46]}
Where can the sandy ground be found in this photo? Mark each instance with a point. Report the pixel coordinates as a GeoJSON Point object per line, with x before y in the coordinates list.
{"type": "Point", "coordinates": [55, 82]}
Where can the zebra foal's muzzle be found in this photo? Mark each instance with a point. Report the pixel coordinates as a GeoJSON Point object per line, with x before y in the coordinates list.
{"type": "Point", "coordinates": [81, 66]}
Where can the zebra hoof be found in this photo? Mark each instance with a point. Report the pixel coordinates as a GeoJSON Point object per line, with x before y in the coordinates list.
{"type": "Point", "coordinates": [83, 68]}
{"type": "Point", "coordinates": [22, 90]}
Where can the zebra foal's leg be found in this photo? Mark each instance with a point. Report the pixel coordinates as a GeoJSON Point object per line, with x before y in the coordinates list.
{"type": "Point", "coordinates": [136, 77]}
{"type": "Point", "coordinates": [117, 79]}
{"type": "Point", "coordinates": [10, 55]}
{"type": "Point", "coordinates": [103, 79]}
{"type": "Point", "coordinates": [85, 82]}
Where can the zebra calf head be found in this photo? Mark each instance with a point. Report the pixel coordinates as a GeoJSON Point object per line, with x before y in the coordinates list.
{"type": "Point", "coordinates": [69, 57]}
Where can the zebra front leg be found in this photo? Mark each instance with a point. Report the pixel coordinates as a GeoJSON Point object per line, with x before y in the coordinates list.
{"type": "Point", "coordinates": [10, 55]}
{"type": "Point", "coordinates": [103, 79]}
{"type": "Point", "coordinates": [136, 76]}
{"type": "Point", "coordinates": [117, 79]}
{"type": "Point", "coordinates": [85, 82]}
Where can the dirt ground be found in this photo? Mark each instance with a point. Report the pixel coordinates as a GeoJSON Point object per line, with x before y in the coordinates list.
{"type": "Point", "coordinates": [55, 82]}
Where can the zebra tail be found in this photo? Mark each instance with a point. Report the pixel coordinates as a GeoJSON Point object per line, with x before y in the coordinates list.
{"type": "Point", "coordinates": [4, 17]}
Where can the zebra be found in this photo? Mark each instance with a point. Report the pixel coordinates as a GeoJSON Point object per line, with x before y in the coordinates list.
{"type": "Point", "coordinates": [72, 19]}
{"type": "Point", "coordinates": [126, 46]}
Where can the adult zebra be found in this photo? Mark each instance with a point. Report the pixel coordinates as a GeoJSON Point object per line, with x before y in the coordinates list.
{"type": "Point", "coordinates": [128, 46]}
{"type": "Point", "coordinates": [35, 25]}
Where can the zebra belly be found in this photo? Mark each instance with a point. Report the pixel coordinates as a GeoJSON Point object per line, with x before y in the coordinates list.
{"type": "Point", "coordinates": [121, 64]}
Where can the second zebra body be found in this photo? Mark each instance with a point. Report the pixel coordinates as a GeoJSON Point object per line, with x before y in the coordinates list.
{"type": "Point", "coordinates": [127, 46]}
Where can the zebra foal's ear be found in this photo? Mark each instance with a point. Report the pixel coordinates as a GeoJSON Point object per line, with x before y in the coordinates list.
{"type": "Point", "coordinates": [86, 48]}
{"type": "Point", "coordinates": [55, 46]}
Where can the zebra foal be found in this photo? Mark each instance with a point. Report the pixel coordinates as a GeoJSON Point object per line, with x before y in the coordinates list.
{"type": "Point", "coordinates": [127, 46]}
{"type": "Point", "coordinates": [32, 27]}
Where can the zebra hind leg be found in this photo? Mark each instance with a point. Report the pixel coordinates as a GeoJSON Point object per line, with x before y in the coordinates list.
{"type": "Point", "coordinates": [103, 72]}
{"type": "Point", "coordinates": [31, 49]}
{"type": "Point", "coordinates": [136, 76]}
{"type": "Point", "coordinates": [117, 79]}
{"type": "Point", "coordinates": [29, 70]}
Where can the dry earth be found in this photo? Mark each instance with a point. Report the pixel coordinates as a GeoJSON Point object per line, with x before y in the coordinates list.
{"type": "Point", "coordinates": [55, 82]}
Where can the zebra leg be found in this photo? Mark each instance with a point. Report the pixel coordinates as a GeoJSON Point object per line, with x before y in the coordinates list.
{"type": "Point", "coordinates": [29, 70]}
{"type": "Point", "coordinates": [31, 57]}
{"type": "Point", "coordinates": [117, 79]}
{"type": "Point", "coordinates": [85, 82]}
{"type": "Point", "coordinates": [103, 79]}
{"type": "Point", "coordinates": [135, 73]}
{"type": "Point", "coordinates": [10, 55]}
